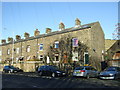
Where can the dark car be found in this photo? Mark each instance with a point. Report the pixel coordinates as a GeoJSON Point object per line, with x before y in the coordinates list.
{"type": "Point", "coordinates": [11, 69]}
{"type": "Point", "coordinates": [85, 71]}
{"type": "Point", "coordinates": [110, 73]}
{"type": "Point", "coordinates": [49, 70]}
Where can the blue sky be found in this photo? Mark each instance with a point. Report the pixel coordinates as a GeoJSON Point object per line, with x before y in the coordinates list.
{"type": "Point", "coordinates": [20, 17]}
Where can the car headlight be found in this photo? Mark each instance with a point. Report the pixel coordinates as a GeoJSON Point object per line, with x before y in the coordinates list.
{"type": "Point", "coordinates": [11, 70]}
{"type": "Point", "coordinates": [58, 72]}
{"type": "Point", "coordinates": [111, 74]}
{"type": "Point", "coordinates": [101, 74]}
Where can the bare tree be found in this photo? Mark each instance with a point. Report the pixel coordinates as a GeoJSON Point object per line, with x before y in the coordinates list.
{"type": "Point", "coordinates": [65, 50]}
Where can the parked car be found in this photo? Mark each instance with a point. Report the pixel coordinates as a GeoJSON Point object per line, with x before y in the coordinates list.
{"type": "Point", "coordinates": [110, 73]}
{"type": "Point", "coordinates": [85, 71]}
{"type": "Point", "coordinates": [49, 70]}
{"type": "Point", "coordinates": [11, 69]}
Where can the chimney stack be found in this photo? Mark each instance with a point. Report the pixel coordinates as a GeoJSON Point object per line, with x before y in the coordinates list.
{"type": "Point", "coordinates": [3, 41]}
{"type": "Point", "coordinates": [36, 32]}
{"type": "Point", "coordinates": [26, 35]}
{"type": "Point", "coordinates": [61, 26]}
{"type": "Point", "coordinates": [77, 23]}
{"type": "Point", "coordinates": [10, 39]}
{"type": "Point", "coordinates": [48, 30]}
{"type": "Point", "coordinates": [18, 37]}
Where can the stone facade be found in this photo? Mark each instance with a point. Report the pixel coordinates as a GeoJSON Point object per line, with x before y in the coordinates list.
{"type": "Point", "coordinates": [113, 52]}
{"type": "Point", "coordinates": [91, 35]}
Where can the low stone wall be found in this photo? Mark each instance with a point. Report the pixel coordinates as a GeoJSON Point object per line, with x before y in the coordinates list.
{"type": "Point", "coordinates": [26, 67]}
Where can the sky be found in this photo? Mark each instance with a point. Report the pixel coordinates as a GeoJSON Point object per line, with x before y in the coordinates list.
{"type": "Point", "coordinates": [20, 17]}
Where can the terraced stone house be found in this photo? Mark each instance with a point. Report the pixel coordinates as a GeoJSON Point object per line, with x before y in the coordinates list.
{"type": "Point", "coordinates": [36, 47]}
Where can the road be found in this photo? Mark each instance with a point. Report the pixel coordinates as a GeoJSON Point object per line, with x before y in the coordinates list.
{"type": "Point", "coordinates": [32, 80]}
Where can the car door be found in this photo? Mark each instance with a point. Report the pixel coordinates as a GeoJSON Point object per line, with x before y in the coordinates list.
{"type": "Point", "coordinates": [118, 71]}
{"type": "Point", "coordinates": [94, 72]}
{"type": "Point", "coordinates": [43, 70]}
{"type": "Point", "coordinates": [47, 71]}
{"type": "Point", "coordinates": [88, 69]}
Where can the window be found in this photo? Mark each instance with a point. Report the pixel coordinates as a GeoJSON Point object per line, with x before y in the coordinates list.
{"type": "Point", "coordinates": [28, 48]}
{"type": "Point", "coordinates": [28, 58]}
{"type": "Point", "coordinates": [75, 42]}
{"type": "Point", "coordinates": [17, 59]}
{"type": "Point", "coordinates": [8, 51]}
{"type": "Point", "coordinates": [0, 53]}
{"type": "Point", "coordinates": [17, 50]}
{"type": "Point", "coordinates": [14, 50]}
{"type": "Point", "coordinates": [56, 57]}
{"type": "Point", "coordinates": [56, 44]}
{"type": "Point", "coordinates": [41, 57]}
{"type": "Point", "coordinates": [41, 47]}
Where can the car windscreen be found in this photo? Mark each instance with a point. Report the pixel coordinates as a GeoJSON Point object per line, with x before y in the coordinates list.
{"type": "Point", "coordinates": [54, 68]}
{"type": "Point", "coordinates": [79, 68]}
{"type": "Point", "coordinates": [12, 67]}
{"type": "Point", "coordinates": [110, 69]}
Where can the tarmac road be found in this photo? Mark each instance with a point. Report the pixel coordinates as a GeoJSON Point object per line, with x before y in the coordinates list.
{"type": "Point", "coordinates": [32, 80]}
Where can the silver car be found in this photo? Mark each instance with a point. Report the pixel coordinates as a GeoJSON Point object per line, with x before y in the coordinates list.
{"type": "Point", "coordinates": [85, 71]}
{"type": "Point", "coordinates": [110, 73]}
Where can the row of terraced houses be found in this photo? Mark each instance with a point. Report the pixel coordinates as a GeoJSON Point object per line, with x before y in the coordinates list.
{"type": "Point", "coordinates": [38, 47]}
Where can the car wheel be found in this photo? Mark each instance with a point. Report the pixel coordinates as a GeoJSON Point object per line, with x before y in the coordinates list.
{"type": "Point", "coordinates": [53, 74]}
{"type": "Point", "coordinates": [88, 76]}
{"type": "Point", "coordinates": [40, 73]}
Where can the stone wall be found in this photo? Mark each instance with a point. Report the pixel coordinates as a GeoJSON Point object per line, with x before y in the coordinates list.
{"type": "Point", "coordinates": [26, 67]}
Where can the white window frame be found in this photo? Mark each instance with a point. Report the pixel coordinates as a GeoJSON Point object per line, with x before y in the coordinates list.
{"type": "Point", "coordinates": [41, 45]}
{"type": "Point", "coordinates": [0, 53]}
{"type": "Point", "coordinates": [17, 58]}
{"type": "Point", "coordinates": [41, 57]}
{"type": "Point", "coordinates": [8, 51]}
{"type": "Point", "coordinates": [28, 58]}
{"type": "Point", "coordinates": [28, 48]}
{"type": "Point", "coordinates": [17, 50]}
{"type": "Point", "coordinates": [57, 42]}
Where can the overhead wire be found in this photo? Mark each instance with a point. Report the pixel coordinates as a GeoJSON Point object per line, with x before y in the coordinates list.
{"type": "Point", "coordinates": [52, 14]}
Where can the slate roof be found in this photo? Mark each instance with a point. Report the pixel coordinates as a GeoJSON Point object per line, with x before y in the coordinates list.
{"type": "Point", "coordinates": [109, 43]}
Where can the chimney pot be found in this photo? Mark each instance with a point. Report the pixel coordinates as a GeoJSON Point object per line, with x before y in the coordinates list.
{"type": "Point", "coordinates": [36, 32]}
{"type": "Point", "coordinates": [26, 35]}
{"type": "Point", "coordinates": [77, 23]}
{"type": "Point", "coordinates": [61, 26]}
{"type": "Point", "coordinates": [48, 30]}
{"type": "Point", "coordinates": [10, 39]}
{"type": "Point", "coordinates": [18, 37]}
{"type": "Point", "coordinates": [3, 41]}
